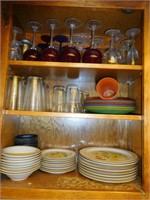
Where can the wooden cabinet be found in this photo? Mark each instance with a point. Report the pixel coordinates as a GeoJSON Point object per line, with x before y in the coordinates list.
{"type": "Point", "coordinates": [75, 130]}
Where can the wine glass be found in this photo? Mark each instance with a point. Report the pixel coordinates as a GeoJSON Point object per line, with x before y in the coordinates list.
{"type": "Point", "coordinates": [33, 54]}
{"type": "Point", "coordinates": [92, 54]}
{"type": "Point", "coordinates": [112, 55]}
{"type": "Point", "coordinates": [70, 53]}
{"type": "Point", "coordinates": [125, 46]}
{"type": "Point", "coordinates": [132, 55]}
{"type": "Point", "coordinates": [15, 46]}
{"type": "Point", "coordinates": [61, 39]}
{"type": "Point", "coordinates": [50, 53]}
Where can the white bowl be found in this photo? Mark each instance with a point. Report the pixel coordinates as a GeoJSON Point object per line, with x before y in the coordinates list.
{"type": "Point", "coordinates": [20, 151]}
{"type": "Point", "coordinates": [19, 177]}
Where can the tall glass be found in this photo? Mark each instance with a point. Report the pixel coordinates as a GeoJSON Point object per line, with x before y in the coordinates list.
{"type": "Point", "coordinates": [92, 54]}
{"type": "Point", "coordinates": [70, 53]}
{"type": "Point", "coordinates": [33, 54]}
{"type": "Point", "coordinates": [50, 53]}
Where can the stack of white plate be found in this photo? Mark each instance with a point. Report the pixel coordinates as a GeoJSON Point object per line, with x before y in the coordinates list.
{"type": "Point", "coordinates": [19, 162]}
{"type": "Point", "coordinates": [110, 165]}
{"type": "Point", "coordinates": [58, 161]}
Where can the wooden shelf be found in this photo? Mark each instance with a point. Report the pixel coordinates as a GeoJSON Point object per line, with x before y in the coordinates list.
{"type": "Point", "coordinates": [73, 65]}
{"type": "Point", "coordinates": [72, 185]}
{"type": "Point", "coordinates": [72, 115]}
{"type": "Point", "coordinates": [80, 72]}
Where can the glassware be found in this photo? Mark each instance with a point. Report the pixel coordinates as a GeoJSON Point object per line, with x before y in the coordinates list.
{"type": "Point", "coordinates": [46, 39]}
{"type": "Point", "coordinates": [27, 44]}
{"type": "Point", "coordinates": [46, 96]}
{"type": "Point", "coordinates": [70, 53]}
{"type": "Point", "coordinates": [92, 54]}
{"type": "Point", "coordinates": [33, 54]}
{"type": "Point", "coordinates": [112, 55]}
{"type": "Point", "coordinates": [15, 46]}
{"type": "Point", "coordinates": [50, 53]}
{"type": "Point", "coordinates": [73, 99]}
{"type": "Point", "coordinates": [132, 56]}
{"type": "Point", "coordinates": [15, 92]}
{"type": "Point", "coordinates": [33, 94]}
{"type": "Point", "coordinates": [59, 99]}
{"type": "Point", "coordinates": [125, 46]}
{"type": "Point", "coordinates": [61, 39]}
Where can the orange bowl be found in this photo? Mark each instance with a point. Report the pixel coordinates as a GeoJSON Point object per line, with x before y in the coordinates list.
{"type": "Point", "coordinates": [107, 88]}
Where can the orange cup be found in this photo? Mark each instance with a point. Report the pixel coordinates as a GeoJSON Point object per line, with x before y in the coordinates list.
{"type": "Point", "coordinates": [107, 88]}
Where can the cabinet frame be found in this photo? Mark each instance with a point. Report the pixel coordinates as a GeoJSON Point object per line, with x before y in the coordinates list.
{"type": "Point", "coordinates": [32, 193]}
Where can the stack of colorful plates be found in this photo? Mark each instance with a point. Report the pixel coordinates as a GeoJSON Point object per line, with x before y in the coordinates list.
{"type": "Point", "coordinates": [114, 106]}
{"type": "Point", "coordinates": [110, 165]}
{"type": "Point", "coordinates": [19, 162]}
{"type": "Point", "coordinates": [58, 161]}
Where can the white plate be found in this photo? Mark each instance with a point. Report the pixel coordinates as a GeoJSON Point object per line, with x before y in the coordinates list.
{"type": "Point", "coordinates": [113, 156]}
{"type": "Point", "coordinates": [60, 171]}
{"type": "Point", "coordinates": [108, 171]}
{"type": "Point", "coordinates": [101, 174]}
{"type": "Point", "coordinates": [57, 154]}
{"type": "Point", "coordinates": [107, 166]}
{"type": "Point", "coordinates": [107, 180]}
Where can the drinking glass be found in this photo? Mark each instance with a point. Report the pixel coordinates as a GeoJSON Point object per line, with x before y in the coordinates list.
{"type": "Point", "coordinates": [61, 39]}
{"type": "Point", "coordinates": [125, 46]}
{"type": "Point", "coordinates": [33, 54]}
{"type": "Point", "coordinates": [73, 99]}
{"type": "Point", "coordinates": [15, 92]}
{"type": "Point", "coordinates": [70, 53]}
{"type": "Point", "coordinates": [92, 54]}
{"type": "Point", "coordinates": [33, 94]}
{"type": "Point", "coordinates": [59, 99]}
{"type": "Point", "coordinates": [112, 55]}
{"type": "Point", "coordinates": [132, 56]}
{"type": "Point", "coordinates": [15, 46]}
{"type": "Point", "coordinates": [50, 53]}
{"type": "Point", "coordinates": [46, 39]}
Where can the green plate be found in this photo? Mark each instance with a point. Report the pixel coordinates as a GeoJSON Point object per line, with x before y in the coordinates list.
{"type": "Point", "coordinates": [109, 109]}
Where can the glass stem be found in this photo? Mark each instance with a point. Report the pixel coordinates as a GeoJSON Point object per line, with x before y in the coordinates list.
{"type": "Point", "coordinates": [51, 36]}
{"type": "Point", "coordinates": [92, 41]}
{"type": "Point", "coordinates": [71, 35]}
{"type": "Point", "coordinates": [33, 39]}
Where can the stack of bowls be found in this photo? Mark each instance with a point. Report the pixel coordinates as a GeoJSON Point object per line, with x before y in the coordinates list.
{"type": "Point", "coordinates": [19, 162]}
{"type": "Point", "coordinates": [58, 161]}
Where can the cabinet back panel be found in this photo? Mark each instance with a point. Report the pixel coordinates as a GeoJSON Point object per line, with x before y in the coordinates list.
{"type": "Point", "coordinates": [75, 133]}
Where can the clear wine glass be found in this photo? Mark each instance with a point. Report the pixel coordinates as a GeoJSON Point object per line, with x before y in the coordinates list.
{"type": "Point", "coordinates": [33, 54]}
{"type": "Point", "coordinates": [112, 55]}
{"type": "Point", "coordinates": [50, 53]}
{"type": "Point", "coordinates": [70, 53]}
{"type": "Point", "coordinates": [15, 46]}
{"type": "Point", "coordinates": [125, 46]}
{"type": "Point", "coordinates": [132, 56]}
{"type": "Point", "coordinates": [92, 54]}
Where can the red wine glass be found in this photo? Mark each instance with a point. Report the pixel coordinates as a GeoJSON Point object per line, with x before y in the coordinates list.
{"type": "Point", "coordinates": [50, 53]}
{"type": "Point", "coordinates": [70, 53]}
{"type": "Point", "coordinates": [33, 54]}
{"type": "Point", "coordinates": [92, 54]}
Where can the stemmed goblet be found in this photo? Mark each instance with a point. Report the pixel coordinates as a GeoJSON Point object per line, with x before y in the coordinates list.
{"type": "Point", "coordinates": [15, 46]}
{"type": "Point", "coordinates": [33, 54]}
{"type": "Point", "coordinates": [70, 53]}
{"type": "Point", "coordinates": [132, 55]}
{"type": "Point", "coordinates": [92, 54]}
{"type": "Point", "coordinates": [112, 55]}
{"type": "Point", "coordinates": [50, 53]}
